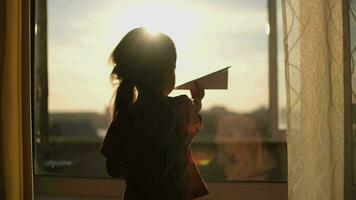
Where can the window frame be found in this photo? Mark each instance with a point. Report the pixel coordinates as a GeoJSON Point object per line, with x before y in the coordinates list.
{"type": "Point", "coordinates": [26, 99]}
{"type": "Point", "coordinates": [350, 187]}
{"type": "Point", "coordinates": [277, 135]}
{"type": "Point", "coordinates": [106, 188]}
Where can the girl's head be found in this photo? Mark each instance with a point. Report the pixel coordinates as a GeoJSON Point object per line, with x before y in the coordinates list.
{"type": "Point", "coordinates": [143, 62]}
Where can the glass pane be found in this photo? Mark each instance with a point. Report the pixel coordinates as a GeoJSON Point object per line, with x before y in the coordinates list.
{"type": "Point", "coordinates": [234, 143]}
{"type": "Point", "coordinates": [353, 79]}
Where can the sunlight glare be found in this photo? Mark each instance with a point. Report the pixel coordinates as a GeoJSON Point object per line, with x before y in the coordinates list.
{"type": "Point", "coordinates": [164, 18]}
{"type": "Point", "coordinates": [152, 31]}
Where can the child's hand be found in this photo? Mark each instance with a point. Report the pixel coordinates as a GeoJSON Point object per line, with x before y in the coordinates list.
{"type": "Point", "coordinates": [197, 92]}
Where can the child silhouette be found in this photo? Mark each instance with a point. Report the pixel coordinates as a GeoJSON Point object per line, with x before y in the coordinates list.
{"type": "Point", "coordinates": [148, 141]}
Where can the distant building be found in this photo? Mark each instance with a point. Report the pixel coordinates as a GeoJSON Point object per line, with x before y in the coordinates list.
{"type": "Point", "coordinates": [77, 126]}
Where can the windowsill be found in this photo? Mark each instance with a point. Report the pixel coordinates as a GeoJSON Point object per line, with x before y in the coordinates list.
{"type": "Point", "coordinates": [57, 188]}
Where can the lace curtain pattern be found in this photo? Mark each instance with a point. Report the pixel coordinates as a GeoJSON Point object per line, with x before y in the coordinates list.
{"type": "Point", "coordinates": [313, 45]}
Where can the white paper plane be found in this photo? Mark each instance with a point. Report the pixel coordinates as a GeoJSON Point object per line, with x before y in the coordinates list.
{"type": "Point", "coordinates": [214, 81]}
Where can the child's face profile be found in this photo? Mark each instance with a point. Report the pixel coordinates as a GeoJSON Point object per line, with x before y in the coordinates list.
{"type": "Point", "coordinates": [169, 83]}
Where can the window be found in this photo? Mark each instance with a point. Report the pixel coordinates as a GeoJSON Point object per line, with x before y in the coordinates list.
{"type": "Point", "coordinates": [242, 138]}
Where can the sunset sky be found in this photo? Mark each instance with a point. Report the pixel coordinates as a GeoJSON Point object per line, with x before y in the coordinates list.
{"type": "Point", "coordinates": [209, 35]}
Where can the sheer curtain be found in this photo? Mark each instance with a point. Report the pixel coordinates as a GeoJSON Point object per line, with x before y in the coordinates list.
{"type": "Point", "coordinates": [313, 44]}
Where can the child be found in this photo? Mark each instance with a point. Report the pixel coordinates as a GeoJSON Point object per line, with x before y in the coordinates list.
{"type": "Point", "coordinates": [148, 141]}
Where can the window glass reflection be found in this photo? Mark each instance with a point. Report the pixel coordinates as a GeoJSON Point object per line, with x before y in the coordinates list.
{"type": "Point", "coordinates": [235, 142]}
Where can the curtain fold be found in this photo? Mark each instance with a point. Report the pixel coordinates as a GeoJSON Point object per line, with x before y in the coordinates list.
{"type": "Point", "coordinates": [11, 118]}
{"type": "Point", "coordinates": [313, 44]}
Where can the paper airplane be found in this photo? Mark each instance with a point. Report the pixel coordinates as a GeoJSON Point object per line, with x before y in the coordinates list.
{"type": "Point", "coordinates": [214, 81]}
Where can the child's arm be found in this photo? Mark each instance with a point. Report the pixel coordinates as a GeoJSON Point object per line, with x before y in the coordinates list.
{"type": "Point", "coordinates": [188, 110]}
{"type": "Point", "coordinates": [194, 119]}
{"type": "Point", "coordinates": [195, 182]}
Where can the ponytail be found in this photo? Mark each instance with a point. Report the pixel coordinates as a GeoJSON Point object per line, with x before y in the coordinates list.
{"type": "Point", "coordinates": [124, 96]}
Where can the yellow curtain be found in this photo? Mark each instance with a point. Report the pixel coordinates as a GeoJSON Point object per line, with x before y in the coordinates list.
{"type": "Point", "coordinates": [313, 33]}
{"type": "Point", "coordinates": [2, 40]}
{"type": "Point", "coordinates": [11, 118]}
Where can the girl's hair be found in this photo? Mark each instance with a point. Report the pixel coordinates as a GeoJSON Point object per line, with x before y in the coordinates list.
{"type": "Point", "coordinates": [141, 63]}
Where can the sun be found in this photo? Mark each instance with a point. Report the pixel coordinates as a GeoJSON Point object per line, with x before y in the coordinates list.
{"type": "Point", "coordinates": [172, 19]}
{"type": "Point", "coordinates": [152, 31]}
